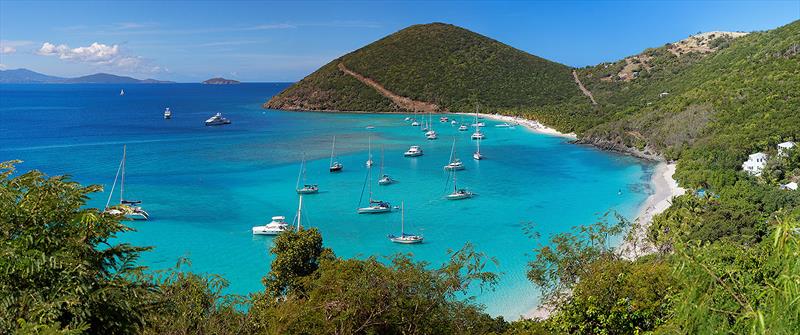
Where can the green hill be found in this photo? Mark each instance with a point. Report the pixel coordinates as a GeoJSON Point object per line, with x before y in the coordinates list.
{"type": "Point", "coordinates": [436, 63]}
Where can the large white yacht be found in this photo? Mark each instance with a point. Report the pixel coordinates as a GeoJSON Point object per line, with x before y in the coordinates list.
{"type": "Point", "coordinates": [275, 227]}
{"type": "Point", "coordinates": [217, 120]}
{"type": "Point", "coordinates": [413, 151]}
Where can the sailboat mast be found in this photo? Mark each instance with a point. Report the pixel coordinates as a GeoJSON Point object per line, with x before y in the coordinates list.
{"type": "Point", "coordinates": [333, 147]}
{"type": "Point", "coordinates": [369, 176]}
{"type": "Point", "coordinates": [402, 218]}
{"type": "Point", "coordinates": [116, 177]}
{"type": "Point", "coordinates": [381, 160]}
{"type": "Point", "coordinates": [452, 149]}
{"type": "Point", "coordinates": [122, 181]}
{"type": "Point", "coordinates": [299, 212]}
{"type": "Point", "coordinates": [301, 173]}
{"type": "Point", "coordinates": [455, 182]}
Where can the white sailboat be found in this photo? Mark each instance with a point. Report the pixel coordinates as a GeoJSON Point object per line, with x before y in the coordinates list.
{"type": "Point", "coordinates": [121, 92]}
{"type": "Point", "coordinates": [373, 206]}
{"type": "Point", "coordinates": [404, 238]}
{"type": "Point", "coordinates": [307, 188]}
{"type": "Point", "coordinates": [458, 193]}
{"type": "Point", "coordinates": [477, 135]}
{"type": "Point", "coordinates": [334, 166]}
{"type": "Point", "coordinates": [369, 158]}
{"type": "Point", "coordinates": [385, 178]}
{"type": "Point", "coordinates": [477, 154]}
{"type": "Point", "coordinates": [128, 208]}
{"type": "Point", "coordinates": [454, 163]}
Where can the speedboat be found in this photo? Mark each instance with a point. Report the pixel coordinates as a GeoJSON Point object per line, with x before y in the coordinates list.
{"type": "Point", "coordinates": [415, 123]}
{"type": "Point", "coordinates": [308, 189]}
{"type": "Point", "coordinates": [167, 113]}
{"type": "Point", "coordinates": [455, 165]}
{"type": "Point", "coordinates": [375, 206]}
{"type": "Point", "coordinates": [478, 135]}
{"type": "Point", "coordinates": [431, 135]}
{"type": "Point", "coordinates": [453, 122]}
{"type": "Point", "coordinates": [413, 151]}
{"type": "Point", "coordinates": [217, 120]}
{"type": "Point", "coordinates": [385, 180]}
{"type": "Point", "coordinates": [275, 227]}
{"type": "Point", "coordinates": [336, 167]}
{"type": "Point", "coordinates": [443, 119]}
{"type": "Point", "coordinates": [459, 194]}
{"type": "Point", "coordinates": [462, 128]}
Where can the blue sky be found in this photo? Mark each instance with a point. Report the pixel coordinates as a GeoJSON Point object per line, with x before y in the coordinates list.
{"type": "Point", "coordinates": [284, 41]}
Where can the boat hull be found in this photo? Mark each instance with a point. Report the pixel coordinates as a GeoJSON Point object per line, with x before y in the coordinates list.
{"type": "Point", "coordinates": [374, 210]}
{"type": "Point", "coordinates": [458, 196]}
{"type": "Point", "coordinates": [307, 191]}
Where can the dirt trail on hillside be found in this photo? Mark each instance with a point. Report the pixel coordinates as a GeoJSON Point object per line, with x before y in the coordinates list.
{"type": "Point", "coordinates": [401, 101]}
{"type": "Point", "coordinates": [583, 89]}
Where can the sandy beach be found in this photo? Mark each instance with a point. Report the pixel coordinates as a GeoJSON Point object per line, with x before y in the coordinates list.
{"type": "Point", "coordinates": [533, 125]}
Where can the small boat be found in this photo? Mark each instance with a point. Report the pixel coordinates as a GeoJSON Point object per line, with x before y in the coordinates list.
{"type": "Point", "coordinates": [405, 238]}
{"type": "Point", "coordinates": [121, 92]}
{"type": "Point", "coordinates": [369, 157]}
{"type": "Point", "coordinates": [443, 119]}
{"type": "Point", "coordinates": [217, 120]}
{"type": "Point", "coordinates": [477, 154]}
{"type": "Point", "coordinates": [374, 206]}
{"type": "Point", "coordinates": [431, 135]}
{"type": "Point", "coordinates": [458, 193]}
{"type": "Point", "coordinates": [167, 113]}
{"type": "Point", "coordinates": [462, 127]}
{"type": "Point", "coordinates": [307, 188]}
{"type": "Point", "coordinates": [478, 124]}
{"type": "Point", "coordinates": [407, 119]}
{"type": "Point", "coordinates": [413, 151]}
{"type": "Point", "coordinates": [370, 127]}
{"type": "Point", "coordinates": [477, 135]}
{"type": "Point", "coordinates": [453, 122]}
{"type": "Point", "coordinates": [385, 179]}
{"type": "Point", "coordinates": [415, 123]}
{"type": "Point", "coordinates": [274, 227]}
{"type": "Point", "coordinates": [131, 209]}
{"type": "Point", "coordinates": [334, 166]}
{"type": "Point", "coordinates": [503, 125]}
{"type": "Point", "coordinates": [454, 164]}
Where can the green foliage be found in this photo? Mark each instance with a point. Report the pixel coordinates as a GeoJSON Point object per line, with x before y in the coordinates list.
{"type": "Point", "coordinates": [438, 63]}
{"type": "Point", "coordinates": [297, 255]}
{"type": "Point", "coordinates": [59, 269]}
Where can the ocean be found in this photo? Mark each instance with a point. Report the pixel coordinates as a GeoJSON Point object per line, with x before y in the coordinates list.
{"type": "Point", "coordinates": [205, 187]}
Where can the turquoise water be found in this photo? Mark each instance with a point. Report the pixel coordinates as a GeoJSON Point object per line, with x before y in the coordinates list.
{"type": "Point", "coordinates": [205, 187]}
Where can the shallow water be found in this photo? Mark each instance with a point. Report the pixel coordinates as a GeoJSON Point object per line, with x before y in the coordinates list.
{"type": "Point", "coordinates": [205, 187]}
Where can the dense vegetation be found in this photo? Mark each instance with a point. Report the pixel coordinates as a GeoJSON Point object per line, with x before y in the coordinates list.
{"type": "Point", "coordinates": [440, 63]}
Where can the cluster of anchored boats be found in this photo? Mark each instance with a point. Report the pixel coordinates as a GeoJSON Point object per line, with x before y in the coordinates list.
{"type": "Point", "coordinates": [278, 224]}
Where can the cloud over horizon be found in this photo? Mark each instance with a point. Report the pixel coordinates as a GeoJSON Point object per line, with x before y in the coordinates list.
{"type": "Point", "coordinates": [99, 54]}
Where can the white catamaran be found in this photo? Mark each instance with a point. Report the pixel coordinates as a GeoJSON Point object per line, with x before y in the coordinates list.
{"type": "Point", "coordinates": [129, 208]}
{"type": "Point", "coordinates": [334, 166]}
{"type": "Point", "coordinates": [307, 188]}
{"type": "Point", "coordinates": [373, 206]}
{"type": "Point", "coordinates": [404, 238]}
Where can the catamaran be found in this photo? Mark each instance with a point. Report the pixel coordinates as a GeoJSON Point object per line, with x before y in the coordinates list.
{"type": "Point", "coordinates": [334, 166]}
{"type": "Point", "coordinates": [167, 113]}
{"type": "Point", "coordinates": [274, 227]}
{"type": "Point", "coordinates": [374, 206]}
{"type": "Point", "coordinates": [477, 154]}
{"type": "Point", "coordinates": [413, 151]}
{"type": "Point", "coordinates": [458, 193]}
{"type": "Point", "coordinates": [369, 158]}
{"type": "Point", "coordinates": [454, 164]}
{"type": "Point", "coordinates": [128, 208]}
{"type": "Point", "coordinates": [404, 238]}
{"type": "Point", "coordinates": [307, 188]}
{"type": "Point", "coordinates": [217, 120]}
{"type": "Point", "coordinates": [443, 119]}
{"type": "Point", "coordinates": [385, 178]}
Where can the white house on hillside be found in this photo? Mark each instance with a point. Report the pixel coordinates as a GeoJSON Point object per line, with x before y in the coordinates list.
{"type": "Point", "coordinates": [790, 186]}
{"type": "Point", "coordinates": [784, 147]}
{"type": "Point", "coordinates": [755, 164]}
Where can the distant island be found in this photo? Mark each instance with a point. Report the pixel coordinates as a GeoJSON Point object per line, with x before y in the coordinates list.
{"type": "Point", "coordinates": [221, 81]}
{"type": "Point", "coordinates": [25, 76]}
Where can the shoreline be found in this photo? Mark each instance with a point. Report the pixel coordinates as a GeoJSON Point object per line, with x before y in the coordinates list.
{"type": "Point", "coordinates": [533, 125]}
{"type": "Point", "coordinates": [664, 189]}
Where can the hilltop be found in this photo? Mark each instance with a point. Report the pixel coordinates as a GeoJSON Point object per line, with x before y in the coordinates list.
{"type": "Point", "coordinates": [432, 67]}
{"type": "Point", "coordinates": [25, 76]}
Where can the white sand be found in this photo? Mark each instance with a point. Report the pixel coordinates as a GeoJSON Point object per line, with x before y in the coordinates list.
{"type": "Point", "coordinates": [533, 125]}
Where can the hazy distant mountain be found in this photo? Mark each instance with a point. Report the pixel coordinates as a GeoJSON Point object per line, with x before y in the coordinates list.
{"type": "Point", "coordinates": [221, 81]}
{"type": "Point", "coordinates": [25, 76]}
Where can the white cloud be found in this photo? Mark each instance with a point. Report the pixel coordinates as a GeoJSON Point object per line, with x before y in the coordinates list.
{"type": "Point", "coordinates": [10, 47]}
{"type": "Point", "coordinates": [99, 54]}
{"type": "Point", "coordinates": [7, 50]}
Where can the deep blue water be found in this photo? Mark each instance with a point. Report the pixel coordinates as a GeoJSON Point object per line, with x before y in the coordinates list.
{"type": "Point", "coordinates": [205, 187]}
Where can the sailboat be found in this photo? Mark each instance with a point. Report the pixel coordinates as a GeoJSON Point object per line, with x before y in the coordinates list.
{"type": "Point", "coordinates": [129, 208]}
{"type": "Point", "coordinates": [307, 188]}
{"type": "Point", "coordinates": [404, 238]}
{"type": "Point", "coordinates": [369, 158]}
{"type": "Point", "coordinates": [458, 193]}
{"type": "Point", "coordinates": [334, 166]}
{"type": "Point", "coordinates": [454, 163]}
{"type": "Point", "coordinates": [477, 155]}
{"type": "Point", "coordinates": [121, 92]}
{"type": "Point", "coordinates": [374, 206]}
{"type": "Point", "coordinates": [431, 134]}
{"type": "Point", "coordinates": [477, 135]}
{"type": "Point", "coordinates": [385, 178]}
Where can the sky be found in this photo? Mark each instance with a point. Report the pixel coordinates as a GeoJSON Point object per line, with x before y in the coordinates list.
{"type": "Point", "coordinates": [284, 41]}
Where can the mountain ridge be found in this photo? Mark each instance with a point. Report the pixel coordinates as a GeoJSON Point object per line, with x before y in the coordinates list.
{"type": "Point", "coordinates": [26, 76]}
